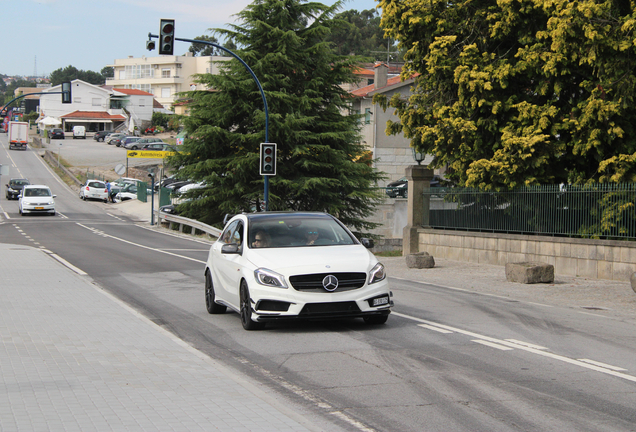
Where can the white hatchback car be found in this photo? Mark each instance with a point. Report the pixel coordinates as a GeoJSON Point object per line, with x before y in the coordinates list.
{"type": "Point", "coordinates": [94, 189]}
{"type": "Point", "coordinates": [271, 266]}
{"type": "Point", "coordinates": [36, 199]}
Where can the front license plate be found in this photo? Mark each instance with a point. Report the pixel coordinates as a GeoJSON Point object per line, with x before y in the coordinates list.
{"type": "Point", "coordinates": [380, 301]}
{"type": "Point", "coordinates": [39, 208]}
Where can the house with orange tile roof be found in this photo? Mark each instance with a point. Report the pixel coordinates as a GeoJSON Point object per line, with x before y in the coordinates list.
{"type": "Point", "coordinates": [98, 107]}
{"type": "Point", "coordinates": [392, 152]}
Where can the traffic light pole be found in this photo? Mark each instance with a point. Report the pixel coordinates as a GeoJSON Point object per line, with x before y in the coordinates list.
{"type": "Point", "coordinates": [260, 88]}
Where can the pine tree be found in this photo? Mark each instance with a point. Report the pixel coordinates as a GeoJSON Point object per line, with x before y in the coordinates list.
{"type": "Point", "coordinates": [320, 164]}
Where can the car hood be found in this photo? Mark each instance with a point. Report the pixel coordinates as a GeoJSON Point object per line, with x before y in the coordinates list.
{"type": "Point", "coordinates": [313, 259]}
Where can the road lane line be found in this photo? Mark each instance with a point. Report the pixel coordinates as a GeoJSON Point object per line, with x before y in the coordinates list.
{"type": "Point", "coordinates": [437, 329]}
{"type": "Point", "coordinates": [524, 348]}
{"type": "Point", "coordinates": [526, 344]}
{"type": "Point", "coordinates": [492, 345]}
{"type": "Point", "coordinates": [139, 245]}
{"type": "Point", "coordinates": [604, 365]}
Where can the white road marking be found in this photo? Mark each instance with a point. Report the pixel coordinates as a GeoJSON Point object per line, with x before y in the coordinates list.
{"type": "Point", "coordinates": [492, 345]}
{"type": "Point", "coordinates": [526, 344]}
{"type": "Point", "coordinates": [437, 329]}
{"type": "Point", "coordinates": [524, 348]}
{"type": "Point", "coordinates": [616, 368]}
{"type": "Point", "coordinates": [138, 245]}
{"type": "Point", "coordinates": [68, 264]}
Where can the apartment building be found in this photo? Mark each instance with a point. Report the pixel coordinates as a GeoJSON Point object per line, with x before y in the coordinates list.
{"type": "Point", "coordinates": [164, 76]}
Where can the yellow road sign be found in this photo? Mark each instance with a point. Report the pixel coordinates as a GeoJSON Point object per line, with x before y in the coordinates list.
{"type": "Point", "coordinates": [147, 154]}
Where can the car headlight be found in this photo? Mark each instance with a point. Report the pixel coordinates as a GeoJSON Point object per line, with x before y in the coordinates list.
{"type": "Point", "coordinates": [269, 278]}
{"type": "Point", "coordinates": [377, 273]}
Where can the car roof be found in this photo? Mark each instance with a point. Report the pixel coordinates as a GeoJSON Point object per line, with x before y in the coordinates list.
{"type": "Point", "coordinates": [36, 186]}
{"type": "Point", "coordinates": [277, 214]}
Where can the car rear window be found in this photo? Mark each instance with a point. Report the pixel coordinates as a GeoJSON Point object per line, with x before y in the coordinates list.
{"type": "Point", "coordinates": [97, 184]}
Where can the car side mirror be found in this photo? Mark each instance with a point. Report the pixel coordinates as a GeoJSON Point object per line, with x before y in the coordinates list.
{"type": "Point", "coordinates": [367, 242]}
{"type": "Point", "coordinates": [54, 196]}
{"type": "Point", "coordinates": [231, 248]}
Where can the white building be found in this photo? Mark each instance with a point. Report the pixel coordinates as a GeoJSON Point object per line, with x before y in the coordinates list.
{"type": "Point", "coordinates": [165, 76]}
{"type": "Point", "coordinates": [97, 108]}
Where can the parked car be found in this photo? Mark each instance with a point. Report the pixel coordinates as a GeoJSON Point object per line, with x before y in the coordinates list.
{"type": "Point", "coordinates": [157, 146]}
{"type": "Point", "coordinates": [399, 188]}
{"type": "Point", "coordinates": [79, 132]}
{"type": "Point", "coordinates": [149, 140]}
{"type": "Point", "coordinates": [118, 185]}
{"type": "Point", "coordinates": [130, 143]}
{"type": "Point", "coordinates": [94, 189]}
{"type": "Point", "coordinates": [36, 199]}
{"type": "Point", "coordinates": [101, 135]}
{"type": "Point", "coordinates": [275, 266]}
{"type": "Point", "coordinates": [168, 209]}
{"type": "Point", "coordinates": [14, 187]}
{"type": "Point", "coordinates": [112, 136]}
{"type": "Point", "coordinates": [129, 191]}
{"type": "Point", "coordinates": [56, 134]}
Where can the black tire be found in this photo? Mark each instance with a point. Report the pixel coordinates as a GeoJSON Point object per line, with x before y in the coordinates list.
{"type": "Point", "coordinates": [133, 148]}
{"type": "Point", "coordinates": [105, 201]}
{"type": "Point", "coordinates": [210, 305]}
{"type": "Point", "coordinates": [376, 319]}
{"type": "Point", "coordinates": [246, 310]}
{"type": "Point", "coordinates": [100, 139]}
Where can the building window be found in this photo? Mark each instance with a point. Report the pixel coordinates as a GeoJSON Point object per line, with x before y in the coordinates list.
{"type": "Point", "coordinates": [165, 92]}
{"type": "Point", "coordinates": [367, 116]}
{"type": "Point", "coordinates": [139, 71]}
{"type": "Point", "coordinates": [122, 74]}
{"type": "Point", "coordinates": [142, 103]}
{"type": "Point", "coordinates": [370, 81]}
{"type": "Point", "coordinates": [165, 73]}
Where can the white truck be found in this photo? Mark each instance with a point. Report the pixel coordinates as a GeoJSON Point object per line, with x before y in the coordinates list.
{"type": "Point", "coordinates": [18, 135]}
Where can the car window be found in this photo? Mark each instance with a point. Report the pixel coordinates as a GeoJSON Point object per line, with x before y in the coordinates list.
{"type": "Point", "coordinates": [97, 184]}
{"type": "Point", "coordinates": [300, 231]}
{"type": "Point", "coordinates": [226, 236]}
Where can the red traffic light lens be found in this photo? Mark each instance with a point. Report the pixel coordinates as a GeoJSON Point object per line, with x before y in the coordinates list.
{"type": "Point", "coordinates": [168, 28]}
{"type": "Point", "coordinates": [268, 150]}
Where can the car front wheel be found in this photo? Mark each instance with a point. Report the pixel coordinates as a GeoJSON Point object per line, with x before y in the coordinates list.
{"type": "Point", "coordinates": [246, 310]}
{"type": "Point", "coordinates": [210, 305]}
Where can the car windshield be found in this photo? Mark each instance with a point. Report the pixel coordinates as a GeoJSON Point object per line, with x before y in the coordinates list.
{"type": "Point", "coordinates": [18, 182]}
{"type": "Point", "coordinates": [37, 192]}
{"type": "Point", "coordinates": [282, 231]}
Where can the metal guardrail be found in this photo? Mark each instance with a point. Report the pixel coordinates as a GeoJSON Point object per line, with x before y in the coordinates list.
{"type": "Point", "coordinates": [182, 222]}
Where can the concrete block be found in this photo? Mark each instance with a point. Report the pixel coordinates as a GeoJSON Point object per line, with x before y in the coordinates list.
{"type": "Point", "coordinates": [529, 272]}
{"type": "Point", "coordinates": [420, 260]}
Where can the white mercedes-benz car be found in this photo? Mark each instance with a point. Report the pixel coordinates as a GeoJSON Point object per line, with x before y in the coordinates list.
{"type": "Point", "coordinates": [36, 199]}
{"type": "Point", "coordinates": [279, 265]}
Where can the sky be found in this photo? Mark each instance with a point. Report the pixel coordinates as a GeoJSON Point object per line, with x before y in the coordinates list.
{"type": "Point", "coordinates": [47, 35]}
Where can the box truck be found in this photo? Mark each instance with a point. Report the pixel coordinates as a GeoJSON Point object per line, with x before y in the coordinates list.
{"type": "Point", "coordinates": [18, 135]}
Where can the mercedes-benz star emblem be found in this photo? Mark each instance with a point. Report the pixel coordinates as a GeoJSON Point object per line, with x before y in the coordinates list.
{"type": "Point", "coordinates": [330, 283]}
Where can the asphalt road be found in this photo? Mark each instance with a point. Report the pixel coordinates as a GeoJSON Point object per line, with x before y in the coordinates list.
{"type": "Point", "coordinates": [447, 359]}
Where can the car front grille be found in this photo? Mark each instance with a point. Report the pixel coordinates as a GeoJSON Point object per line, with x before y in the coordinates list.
{"type": "Point", "coordinates": [313, 282]}
{"type": "Point", "coordinates": [316, 310]}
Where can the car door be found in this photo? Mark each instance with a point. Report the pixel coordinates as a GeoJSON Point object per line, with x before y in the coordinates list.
{"type": "Point", "coordinates": [228, 266]}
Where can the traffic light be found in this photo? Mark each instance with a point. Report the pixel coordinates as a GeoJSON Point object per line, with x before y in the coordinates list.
{"type": "Point", "coordinates": [66, 92]}
{"type": "Point", "coordinates": [268, 159]}
{"type": "Point", "coordinates": [166, 36]}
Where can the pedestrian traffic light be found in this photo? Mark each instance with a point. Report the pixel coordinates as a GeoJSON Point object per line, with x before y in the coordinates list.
{"type": "Point", "coordinates": [66, 92]}
{"type": "Point", "coordinates": [166, 36]}
{"type": "Point", "coordinates": [268, 159]}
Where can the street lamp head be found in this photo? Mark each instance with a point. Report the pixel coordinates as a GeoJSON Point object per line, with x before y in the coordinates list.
{"type": "Point", "coordinates": [418, 156]}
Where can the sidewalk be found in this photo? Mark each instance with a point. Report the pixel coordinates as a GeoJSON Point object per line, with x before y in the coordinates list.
{"type": "Point", "coordinates": [74, 358]}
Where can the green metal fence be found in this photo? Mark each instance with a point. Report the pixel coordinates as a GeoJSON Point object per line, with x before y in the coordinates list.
{"type": "Point", "coordinates": [594, 211]}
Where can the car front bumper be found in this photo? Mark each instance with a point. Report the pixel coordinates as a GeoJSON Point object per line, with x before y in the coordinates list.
{"type": "Point", "coordinates": [44, 208]}
{"type": "Point", "coordinates": [270, 304]}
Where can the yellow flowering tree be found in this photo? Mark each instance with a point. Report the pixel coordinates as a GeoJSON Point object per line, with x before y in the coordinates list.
{"type": "Point", "coordinates": [519, 92]}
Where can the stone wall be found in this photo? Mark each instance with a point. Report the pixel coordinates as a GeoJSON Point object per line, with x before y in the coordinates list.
{"type": "Point", "coordinates": [598, 259]}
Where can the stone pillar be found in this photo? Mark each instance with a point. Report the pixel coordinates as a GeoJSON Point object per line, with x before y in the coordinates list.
{"type": "Point", "coordinates": [419, 177]}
